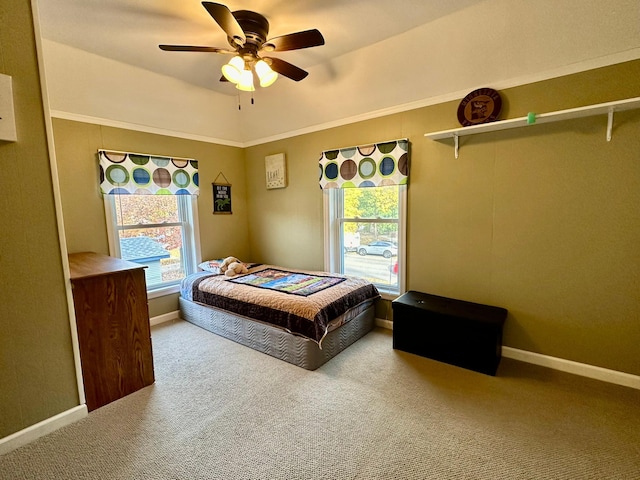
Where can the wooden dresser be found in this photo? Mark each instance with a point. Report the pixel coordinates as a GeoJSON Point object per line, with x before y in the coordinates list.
{"type": "Point", "coordinates": [112, 317]}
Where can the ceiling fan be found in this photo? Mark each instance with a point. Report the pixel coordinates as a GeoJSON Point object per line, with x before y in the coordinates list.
{"type": "Point", "coordinates": [247, 35]}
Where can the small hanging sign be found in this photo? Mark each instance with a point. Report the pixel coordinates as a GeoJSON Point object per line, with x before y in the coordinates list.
{"type": "Point", "coordinates": [221, 196]}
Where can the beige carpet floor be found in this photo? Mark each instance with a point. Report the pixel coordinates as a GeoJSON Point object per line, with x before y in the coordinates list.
{"type": "Point", "coordinates": [219, 410]}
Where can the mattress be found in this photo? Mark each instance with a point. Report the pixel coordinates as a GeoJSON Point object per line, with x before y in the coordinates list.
{"type": "Point", "coordinates": [275, 341]}
{"type": "Point", "coordinates": [306, 303]}
{"type": "Point", "coordinates": [302, 317]}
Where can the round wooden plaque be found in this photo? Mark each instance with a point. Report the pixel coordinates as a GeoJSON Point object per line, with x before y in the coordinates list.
{"type": "Point", "coordinates": [480, 106]}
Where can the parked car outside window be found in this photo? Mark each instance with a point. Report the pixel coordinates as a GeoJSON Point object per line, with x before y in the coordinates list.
{"type": "Point", "coordinates": [380, 247]}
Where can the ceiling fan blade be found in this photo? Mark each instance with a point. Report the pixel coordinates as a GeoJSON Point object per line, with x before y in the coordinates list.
{"type": "Point", "coordinates": [223, 17]}
{"type": "Point", "coordinates": [191, 48]}
{"type": "Point", "coordinates": [287, 69]}
{"type": "Point", "coordinates": [294, 41]}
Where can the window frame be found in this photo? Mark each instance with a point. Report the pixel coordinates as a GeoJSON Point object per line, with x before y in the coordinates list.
{"type": "Point", "coordinates": [333, 243]}
{"type": "Point", "coordinates": [188, 213]}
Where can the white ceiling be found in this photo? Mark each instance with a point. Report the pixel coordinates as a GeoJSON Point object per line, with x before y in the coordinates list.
{"type": "Point", "coordinates": [379, 56]}
{"type": "Point", "coordinates": [130, 31]}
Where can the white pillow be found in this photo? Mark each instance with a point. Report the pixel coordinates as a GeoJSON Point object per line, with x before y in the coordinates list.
{"type": "Point", "coordinates": [212, 266]}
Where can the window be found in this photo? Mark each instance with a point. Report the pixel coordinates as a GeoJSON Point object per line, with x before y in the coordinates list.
{"type": "Point", "coordinates": [365, 234]}
{"type": "Point", "coordinates": [159, 231]}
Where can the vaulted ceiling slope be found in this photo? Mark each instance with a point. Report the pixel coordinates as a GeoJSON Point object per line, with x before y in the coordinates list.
{"type": "Point", "coordinates": [103, 63]}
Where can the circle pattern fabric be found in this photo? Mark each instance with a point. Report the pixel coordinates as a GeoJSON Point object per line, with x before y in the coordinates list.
{"type": "Point", "coordinates": [117, 175]}
{"type": "Point", "coordinates": [367, 168]}
{"type": "Point", "coordinates": [141, 176]}
{"type": "Point", "coordinates": [331, 171]}
{"type": "Point", "coordinates": [162, 177]}
{"type": "Point", "coordinates": [147, 175]}
{"type": "Point", "coordinates": [348, 169]}
{"type": "Point", "coordinates": [373, 165]}
{"type": "Point", "coordinates": [181, 178]}
{"type": "Point", "coordinates": [387, 166]}
{"type": "Point", "coordinates": [139, 159]}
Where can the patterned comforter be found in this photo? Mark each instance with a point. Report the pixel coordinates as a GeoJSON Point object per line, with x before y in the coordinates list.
{"type": "Point", "coordinates": [311, 316]}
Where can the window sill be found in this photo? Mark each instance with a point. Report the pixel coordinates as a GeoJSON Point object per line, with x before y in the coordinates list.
{"type": "Point", "coordinates": [163, 291]}
{"type": "Point", "coordinates": [389, 295]}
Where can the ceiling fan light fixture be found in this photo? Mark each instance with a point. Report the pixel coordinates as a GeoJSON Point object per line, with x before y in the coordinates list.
{"type": "Point", "coordinates": [232, 71]}
{"type": "Point", "coordinates": [246, 81]}
{"type": "Point", "coordinates": [266, 75]}
{"type": "Point", "coordinates": [248, 35]}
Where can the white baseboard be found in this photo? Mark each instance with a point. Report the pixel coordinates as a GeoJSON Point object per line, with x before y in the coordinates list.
{"type": "Point", "coordinates": [590, 371]}
{"type": "Point", "coordinates": [568, 366]}
{"type": "Point", "coordinates": [381, 322]}
{"type": "Point", "coordinates": [166, 317]}
{"type": "Point", "coordinates": [42, 428]}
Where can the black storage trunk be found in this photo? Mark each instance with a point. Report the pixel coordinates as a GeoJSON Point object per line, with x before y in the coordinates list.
{"type": "Point", "coordinates": [461, 333]}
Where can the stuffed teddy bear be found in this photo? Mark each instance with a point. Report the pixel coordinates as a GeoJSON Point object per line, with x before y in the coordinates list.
{"type": "Point", "coordinates": [224, 266]}
{"type": "Point", "coordinates": [231, 267]}
{"type": "Point", "coordinates": [236, 268]}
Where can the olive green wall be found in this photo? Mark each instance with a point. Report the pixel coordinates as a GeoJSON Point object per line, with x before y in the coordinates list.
{"type": "Point", "coordinates": [541, 220]}
{"type": "Point", "coordinates": [76, 146]}
{"type": "Point", "coordinates": [544, 220]}
{"type": "Point", "coordinates": [37, 372]}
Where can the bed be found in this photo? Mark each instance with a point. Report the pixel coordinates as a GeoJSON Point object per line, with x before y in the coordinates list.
{"type": "Point", "coordinates": [299, 316]}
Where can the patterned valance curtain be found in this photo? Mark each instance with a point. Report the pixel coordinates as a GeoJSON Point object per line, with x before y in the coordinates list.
{"type": "Point", "coordinates": [139, 174]}
{"type": "Point", "coordinates": [374, 165]}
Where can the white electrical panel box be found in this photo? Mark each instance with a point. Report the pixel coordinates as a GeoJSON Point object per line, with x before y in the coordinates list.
{"type": "Point", "coordinates": [7, 116]}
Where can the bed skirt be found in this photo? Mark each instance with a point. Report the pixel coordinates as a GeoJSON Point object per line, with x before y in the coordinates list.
{"type": "Point", "coordinates": [275, 341]}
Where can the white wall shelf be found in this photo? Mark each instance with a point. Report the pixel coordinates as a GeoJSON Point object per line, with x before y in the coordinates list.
{"type": "Point", "coordinates": [602, 108]}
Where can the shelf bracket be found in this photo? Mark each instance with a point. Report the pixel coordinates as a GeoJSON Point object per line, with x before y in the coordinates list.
{"type": "Point", "coordinates": [610, 123]}
{"type": "Point", "coordinates": [456, 144]}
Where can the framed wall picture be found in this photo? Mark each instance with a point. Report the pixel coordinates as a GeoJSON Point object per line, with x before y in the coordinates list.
{"type": "Point", "coordinates": [276, 171]}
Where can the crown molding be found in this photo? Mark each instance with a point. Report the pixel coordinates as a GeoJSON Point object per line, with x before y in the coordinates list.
{"type": "Point", "coordinates": [142, 128]}
{"type": "Point", "coordinates": [578, 67]}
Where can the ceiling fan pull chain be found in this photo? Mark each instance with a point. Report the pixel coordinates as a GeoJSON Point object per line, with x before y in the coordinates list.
{"type": "Point", "coordinates": [239, 105]}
